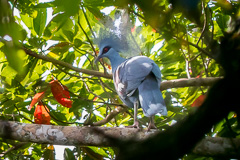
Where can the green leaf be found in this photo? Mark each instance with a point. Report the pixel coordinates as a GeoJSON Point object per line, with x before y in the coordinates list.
{"type": "Point", "coordinates": [222, 21]}
{"type": "Point", "coordinates": [28, 21]}
{"type": "Point", "coordinates": [9, 74]}
{"type": "Point", "coordinates": [54, 29]}
{"type": "Point", "coordinates": [99, 150]}
{"type": "Point", "coordinates": [68, 154]}
{"type": "Point", "coordinates": [55, 24]}
{"type": "Point", "coordinates": [95, 3]}
{"type": "Point", "coordinates": [70, 7]}
{"type": "Point", "coordinates": [96, 12]}
{"type": "Point", "coordinates": [40, 21]}
{"type": "Point", "coordinates": [77, 43]}
{"type": "Point", "coordinates": [16, 59]}
{"type": "Point", "coordinates": [68, 34]}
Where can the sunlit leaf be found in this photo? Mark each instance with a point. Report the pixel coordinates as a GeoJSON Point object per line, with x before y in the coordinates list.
{"type": "Point", "coordinates": [15, 58]}
{"type": "Point", "coordinates": [9, 74]}
{"type": "Point", "coordinates": [37, 97]}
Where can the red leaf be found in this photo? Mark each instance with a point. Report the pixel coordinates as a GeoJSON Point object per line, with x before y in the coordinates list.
{"type": "Point", "coordinates": [61, 93]}
{"type": "Point", "coordinates": [41, 115]}
{"type": "Point", "coordinates": [199, 101]}
{"type": "Point", "coordinates": [133, 29]}
{"type": "Point", "coordinates": [37, 97]}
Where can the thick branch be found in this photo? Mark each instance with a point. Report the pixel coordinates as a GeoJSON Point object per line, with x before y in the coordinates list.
{"type": "Point", "coordinates": [90, 136]}
{"type": "Point", "coordinates": [217, 146]}
{"type": "Point", "coordinates": [67, 135]}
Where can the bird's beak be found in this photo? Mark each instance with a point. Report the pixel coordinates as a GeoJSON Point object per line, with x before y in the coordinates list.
{"type": "Point", "coordinates": [98, 58]}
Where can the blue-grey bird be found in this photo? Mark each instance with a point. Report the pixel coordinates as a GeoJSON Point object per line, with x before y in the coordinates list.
{"type": "Point", "coordinates": [136, 80]}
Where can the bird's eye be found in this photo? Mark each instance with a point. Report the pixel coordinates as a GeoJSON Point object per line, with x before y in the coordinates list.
{"type": "Point", "coordinates": [106, 49]}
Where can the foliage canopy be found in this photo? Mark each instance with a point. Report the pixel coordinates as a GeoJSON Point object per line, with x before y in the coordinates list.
{"type": "Point", "coordinates": [178, 36]}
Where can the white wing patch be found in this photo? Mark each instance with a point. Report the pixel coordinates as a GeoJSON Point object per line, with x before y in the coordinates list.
{"type": "Point", "coordinates": [120, 87]}
{"type": "Point", "coordinates": [154, 109]}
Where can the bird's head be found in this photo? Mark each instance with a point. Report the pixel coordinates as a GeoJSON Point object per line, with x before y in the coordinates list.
{"type": "Point", "coordinates": [104, 52]}
{"type": "Point", "coordinates": [108, 48]}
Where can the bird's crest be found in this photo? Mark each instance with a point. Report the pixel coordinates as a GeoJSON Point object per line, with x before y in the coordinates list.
{"type": "Point", "coordinates": [117, 34]}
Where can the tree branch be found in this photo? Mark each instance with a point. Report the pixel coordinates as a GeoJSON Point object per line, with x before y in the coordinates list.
{"type": "Point", "coordinates": [15, 147]}
{"type": "Point", "coordinates": [180, 138]}
{"type": "Point", "coordinates": [89, 136]}
{"type": "Point", "coordinates": [184, 82]}
{"type": "Point", "coordinates": [110, 116]}
{"type": "Point", "coordinates": [167, 85]}
{"type": "Point", "coordinates": [64, 64]}
{"type": "Point", "coordinates": [164, 85]}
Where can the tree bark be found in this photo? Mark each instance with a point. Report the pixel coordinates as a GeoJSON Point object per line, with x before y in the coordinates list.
{"type": "Point", "coordinates": [100, 136]}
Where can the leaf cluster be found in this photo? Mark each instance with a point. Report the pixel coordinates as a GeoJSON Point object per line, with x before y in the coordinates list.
{"type": "Point", "coordinates": [183, 43]}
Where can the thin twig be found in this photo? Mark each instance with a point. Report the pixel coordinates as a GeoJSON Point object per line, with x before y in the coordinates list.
{"type": "Point", "coordinates": [201, 49]}
{"type": "Point", "coordinates": [90, 27]}
{"type": "Point", "coordinates": [134, 12]}
{"type": "Point", "coordinates": [204, 24]}
{"type": "Point", "coordinates": [53, 117]}
{"type": "Point", "coordinates": [187, 62]}
{"type": "Point", "coordinates": [82, 77]}
{"type": "Point", "coordinates": [86, 36]}
{"type": "Point", "coordinates": [23, 115]}
{"type": "Point", "coordinates": [90, 43]}
{"type": "Point", "coordinates": [110, 116]}
{"type": "Point", "coordinates": [15, 147]}
{"type": "Point", "coordinates": [91, 92]}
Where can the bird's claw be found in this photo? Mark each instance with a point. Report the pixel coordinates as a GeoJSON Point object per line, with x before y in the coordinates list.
{"type": "Point", "coordinates": [135, 125]}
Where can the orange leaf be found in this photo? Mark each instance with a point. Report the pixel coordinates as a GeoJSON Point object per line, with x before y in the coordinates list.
{"type": "Point", "coordinates": [50, 147]}
{"type": "Point", "coordinates": [95, 98]}
{"type": "Point", "coordinates": [37, 97]}
{"type": "Point", "coordinates": [61, 93]}
{"type": "Point", "coordinates": [199, 101]}
{"type": "Point", "coordinates": [41, 115]}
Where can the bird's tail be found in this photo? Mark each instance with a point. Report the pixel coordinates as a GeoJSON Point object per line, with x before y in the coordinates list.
{"type": "Point", "coordinates": [150, 97]}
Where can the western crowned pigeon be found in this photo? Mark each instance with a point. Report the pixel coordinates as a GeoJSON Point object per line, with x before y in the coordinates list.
{"type": "Point", "coordinates": [136, 80]}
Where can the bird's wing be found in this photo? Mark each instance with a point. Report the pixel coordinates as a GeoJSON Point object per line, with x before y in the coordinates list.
{"type": "Point", "coordinates": [132, 72]}
{"type": "Point", "coordinates": [150, 97]}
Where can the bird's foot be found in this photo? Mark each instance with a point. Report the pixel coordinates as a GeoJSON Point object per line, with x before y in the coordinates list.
{"type": "Point", "coordinates": [151, 126]}
{"type": "Point", "coordinates": [135, 125]}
